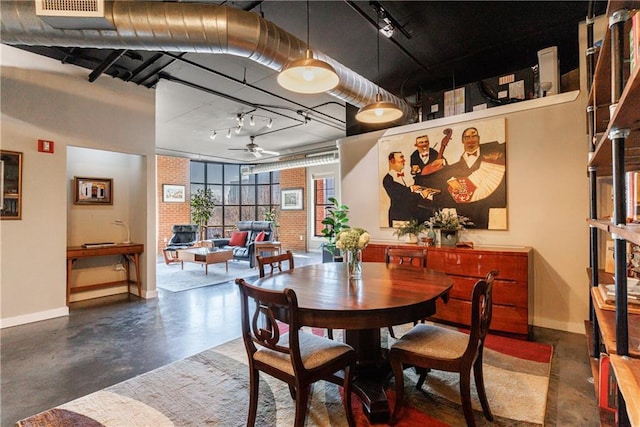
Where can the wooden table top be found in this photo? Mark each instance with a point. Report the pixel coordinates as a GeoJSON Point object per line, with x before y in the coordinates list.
{"type": "Point", "coordinates": [386, 295]}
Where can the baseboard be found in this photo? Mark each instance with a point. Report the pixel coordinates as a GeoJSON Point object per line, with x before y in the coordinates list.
{"type": "Point", "coordinates": [33, 317]}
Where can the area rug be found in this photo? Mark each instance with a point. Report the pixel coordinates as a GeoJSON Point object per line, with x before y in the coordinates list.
{"type": "Point", "coordinates": [174, 279]}
{"type": "Point", "coordinates": [211, 388]}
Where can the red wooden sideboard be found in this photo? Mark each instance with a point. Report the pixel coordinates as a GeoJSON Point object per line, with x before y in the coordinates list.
{"type": "Point", "coordinates": [511, 310]}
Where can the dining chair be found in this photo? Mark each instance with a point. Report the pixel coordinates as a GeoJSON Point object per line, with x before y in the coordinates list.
{"type": "Point", "coordinates": [415, 257]}
{"type": "Point", "coordinates": [274, 261]}
{"type": "Point", "coordinates": [436, 347]}
{"type": "Point", "coordinates": [293, 356]}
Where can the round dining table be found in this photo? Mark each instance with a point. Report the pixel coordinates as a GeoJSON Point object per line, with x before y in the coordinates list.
{"type": "Point", "coordinates": [386, 295]}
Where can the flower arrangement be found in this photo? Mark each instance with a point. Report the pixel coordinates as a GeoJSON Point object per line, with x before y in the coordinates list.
{"type": "Point", "coordinates": [353, 239]}
{"type": "Point", "coordinates": [448, 219]}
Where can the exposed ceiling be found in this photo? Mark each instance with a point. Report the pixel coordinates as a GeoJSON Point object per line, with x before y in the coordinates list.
{"type": "Point", "coordinates": [436, 45]}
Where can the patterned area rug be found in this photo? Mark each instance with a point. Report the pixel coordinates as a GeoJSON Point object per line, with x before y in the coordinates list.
{"type": "Point", "coordinates": [211, 388]}
{"type": "Point", "coordinates": [172, 278]}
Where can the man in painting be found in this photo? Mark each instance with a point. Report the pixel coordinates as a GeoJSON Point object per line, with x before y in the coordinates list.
{"type": "Point", "coordinates": [477, 181]}
{"type": "Point", "coordinates": [423, 155]}
{"type": "Point", "coordinates": [406, 200]}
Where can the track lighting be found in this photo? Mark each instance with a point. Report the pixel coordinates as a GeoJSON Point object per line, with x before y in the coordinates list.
{"type": "Point", "coordinates": [229, 133]}
{"type": "Point", "coordinates": [238, 129]}
{"type": "Point", "coordinates": [252, 122]}
{"type": "Point", "coordinates": [213, 135]}
{"type": "Point", "coordinates": [270, 123]}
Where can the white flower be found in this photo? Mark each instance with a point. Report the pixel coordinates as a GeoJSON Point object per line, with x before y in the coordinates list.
{"type": "Point", "coordinates": [363, 241]}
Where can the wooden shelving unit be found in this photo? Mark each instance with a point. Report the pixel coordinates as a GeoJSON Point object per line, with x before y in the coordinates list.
{"type": "Point", "coordinates": [616, 129]}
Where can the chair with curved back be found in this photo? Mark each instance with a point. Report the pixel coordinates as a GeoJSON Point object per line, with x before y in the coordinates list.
{"type": "Point", "coordinates": [295, 357]}
{"type": "Point", "coordinates": [436, 347]}
{"type": "Point", "coordinates": [274, 262]}
{"type": "Point", "coordinates": [184, 236]}
{"type": "Point", "coordinates": [415, 257]}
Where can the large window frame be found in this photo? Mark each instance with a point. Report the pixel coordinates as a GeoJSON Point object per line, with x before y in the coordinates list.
{"type": "Point", "coordinates": [323, 188]}
{"type": "Point", "coordinates": [237, 197]}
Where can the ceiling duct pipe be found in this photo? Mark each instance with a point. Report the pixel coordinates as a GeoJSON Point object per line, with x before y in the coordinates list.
{"type": "Point", "coordinates": [187, 27]}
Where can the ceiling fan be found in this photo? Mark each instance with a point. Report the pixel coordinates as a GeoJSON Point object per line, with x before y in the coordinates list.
{"type": "Point", "coordinates": [255, 149]}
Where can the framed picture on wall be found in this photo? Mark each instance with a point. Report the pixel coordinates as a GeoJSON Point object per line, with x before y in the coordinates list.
{"type": "Point", "coordinates": [291, 199]}
{"type": "Point", "coordinates": [92, 191]}
{"type": "Point", "coordinates": [173, 193]}
{"type": "Point", "coordinates": [10, 185]}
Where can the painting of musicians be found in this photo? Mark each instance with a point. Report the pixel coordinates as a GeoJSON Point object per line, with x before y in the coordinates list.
{"type": "Point", "coordinates": [461, 166]}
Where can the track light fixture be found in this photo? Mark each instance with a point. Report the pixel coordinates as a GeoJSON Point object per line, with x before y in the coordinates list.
{"type": "Point", "coordinates": [379, 111]}
{"type": "Point", "coordinates": [308, 75]}
{"type": "Point", "coordinates": [240, 120]}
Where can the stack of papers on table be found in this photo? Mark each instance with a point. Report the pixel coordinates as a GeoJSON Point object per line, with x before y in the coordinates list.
{"type": "Point", "coordinates": [633, 292]}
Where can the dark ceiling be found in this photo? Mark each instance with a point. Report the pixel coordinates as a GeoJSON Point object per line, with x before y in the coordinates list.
{"type": "Point", "coordinates": [436, 44]}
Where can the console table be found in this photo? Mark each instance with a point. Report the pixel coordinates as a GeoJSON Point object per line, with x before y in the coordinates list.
{"type": "Point", "coordinates": [511, 308]}
{"type": "Point", "coordinates": [129, 252]}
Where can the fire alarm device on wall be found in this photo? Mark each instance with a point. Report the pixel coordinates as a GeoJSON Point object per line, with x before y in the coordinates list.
{"type": "Point", "coordinates": [45, 146]}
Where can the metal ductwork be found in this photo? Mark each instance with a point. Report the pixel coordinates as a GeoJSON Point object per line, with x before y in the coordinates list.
{"type": "Point", "coordinates": [187, 27]}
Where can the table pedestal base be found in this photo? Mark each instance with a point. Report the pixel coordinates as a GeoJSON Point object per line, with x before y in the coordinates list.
{"type": "Point", "coordinates": [372, 373]}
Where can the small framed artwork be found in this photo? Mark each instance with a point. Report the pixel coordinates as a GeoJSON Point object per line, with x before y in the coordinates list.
{"type": "Point", "coordinates": [10, 185]}
{"type": "Point", "coordinates": [92, 191]}
{"type": "Point", "coordinates": [291, 199]}
{"type": "Point", "coordinates": [173, 193]}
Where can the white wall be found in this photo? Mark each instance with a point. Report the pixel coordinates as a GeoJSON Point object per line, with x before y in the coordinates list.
{"type": "Point", "coordinates": [43, 99]}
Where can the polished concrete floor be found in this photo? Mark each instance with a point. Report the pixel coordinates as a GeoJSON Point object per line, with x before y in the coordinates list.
{"type": "Point", "coordinates": [106, 341]}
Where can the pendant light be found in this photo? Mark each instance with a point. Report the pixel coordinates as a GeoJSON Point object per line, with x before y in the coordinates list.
{"type": "Point", "coordinates": [379, 111]}
{"type": "Point", "coordinates": [308, 75]}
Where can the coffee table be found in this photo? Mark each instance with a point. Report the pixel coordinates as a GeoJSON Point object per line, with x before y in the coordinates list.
{"type": "Point", "coordinates": [205, 257]}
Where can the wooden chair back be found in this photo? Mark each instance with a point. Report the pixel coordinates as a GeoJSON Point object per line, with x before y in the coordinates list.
{"type": "Point", "coordinates": [417, 257]}
{"type": "Point", "coordinates": [272, 335]}
{"type": "Point", "coordinates": [274, 262]}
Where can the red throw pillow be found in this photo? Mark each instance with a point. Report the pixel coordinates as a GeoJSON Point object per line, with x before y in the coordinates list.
{"type": "Point", "coordinates": [260, 236]}
{"type": "Point", "coordinates": [238, 238]}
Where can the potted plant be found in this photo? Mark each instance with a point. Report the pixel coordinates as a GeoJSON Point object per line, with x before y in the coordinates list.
{"type": "Point", "coordinates": [449, 222]}
{"type": "Point", "coordinates": [411, 229]}
{"type": "Point", "coordinates": [202, 204]}
{"type": "Point", "coordinates": [270, 215]}
{"type": "Point", "coordinates": [336, 219]}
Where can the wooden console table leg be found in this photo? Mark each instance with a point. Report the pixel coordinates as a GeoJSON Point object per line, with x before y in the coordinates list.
{"type": "Point", "coordinates": [136, 263]}
{"type": "Point", "coordinates": [69, 269]}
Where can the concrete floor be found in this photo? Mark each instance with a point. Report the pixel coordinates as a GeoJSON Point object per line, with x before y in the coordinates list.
{"type": "Point", "coordinates": [107, 341]}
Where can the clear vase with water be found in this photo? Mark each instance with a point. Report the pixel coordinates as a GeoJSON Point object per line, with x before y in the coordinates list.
{"type": "Point", "coordinates": [354, 263]}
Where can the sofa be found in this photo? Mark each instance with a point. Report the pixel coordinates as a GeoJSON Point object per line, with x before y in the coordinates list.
{"type": "Point", "coordinates": [242, 241]}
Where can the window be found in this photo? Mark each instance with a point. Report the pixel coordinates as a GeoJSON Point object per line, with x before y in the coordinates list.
{"type": "Point", "coordinates": [237, 197]}
{"type": "Point", "coordinates": [323, 188]}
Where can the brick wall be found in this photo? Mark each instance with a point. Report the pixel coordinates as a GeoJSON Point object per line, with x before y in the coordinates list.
{"type": "Point", "coordinates": [293, 224]}
{"type": "Point", "coordinates": [171, 170]}
{"type": "Point", "coordinates": [175, 170]}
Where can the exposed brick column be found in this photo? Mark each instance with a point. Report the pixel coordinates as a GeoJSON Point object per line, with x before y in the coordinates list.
{"type": "Point", "coordinates": [171, 170]}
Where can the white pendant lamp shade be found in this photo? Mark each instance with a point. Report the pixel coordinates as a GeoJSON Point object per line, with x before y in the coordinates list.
{"type": "Point", "coordinates": [308, 75]}
{"type": "Point", "coordinates": [379, 112]}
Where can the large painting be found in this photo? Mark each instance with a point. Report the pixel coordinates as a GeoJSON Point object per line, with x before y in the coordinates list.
{"type": "Point", "coordinates": [460, 166]}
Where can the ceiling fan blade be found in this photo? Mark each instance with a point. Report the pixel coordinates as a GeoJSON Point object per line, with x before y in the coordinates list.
{"type": "Point", "coordinates": [273, 153]}
{"type": "Point", "coordinates": [256, 153]}
{"type": "Point", "coordinates": [237, 149]}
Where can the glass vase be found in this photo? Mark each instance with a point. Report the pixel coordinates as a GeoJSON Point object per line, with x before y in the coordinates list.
{"type": "Point", "coordinates": [354, 263]}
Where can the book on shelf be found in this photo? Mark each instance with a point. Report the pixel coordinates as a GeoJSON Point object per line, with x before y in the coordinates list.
{"type": "Point", "coordinates": [608, 387]}
{"type": "Point", "coordinates": [98, 244]}
{"type": "Point", "coordinates": [634, 42]}
{"type": "Point", "coordinates": [608, 293]}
